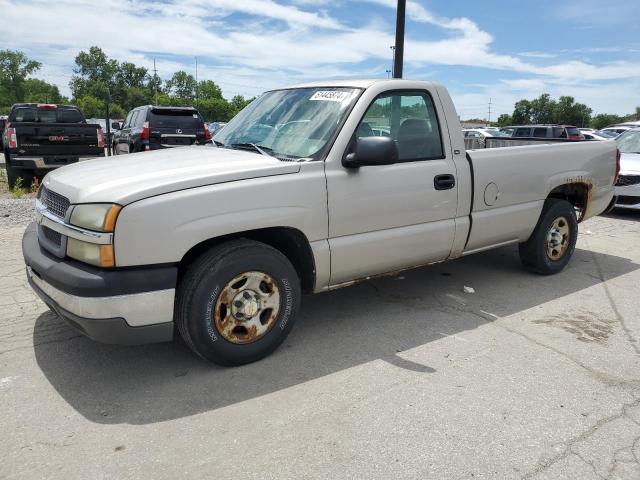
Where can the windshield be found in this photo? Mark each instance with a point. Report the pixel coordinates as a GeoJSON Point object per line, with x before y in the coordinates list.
{"type": "Point", "coordinates": [629, 141]}
{"type": "Point", "coordinates": [289, 124]}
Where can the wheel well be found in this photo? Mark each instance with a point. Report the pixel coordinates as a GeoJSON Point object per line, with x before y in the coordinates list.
{"type": "Point", "coordinates": [292, 243]}
{"type": "Point", "coordinates": [577, 194]}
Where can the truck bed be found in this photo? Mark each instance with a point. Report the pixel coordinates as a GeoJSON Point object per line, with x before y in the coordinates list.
{"type": "Point", "coordinates": [511, 184]}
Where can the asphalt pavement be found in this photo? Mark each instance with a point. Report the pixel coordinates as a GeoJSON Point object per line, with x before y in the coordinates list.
{"type": "Point", "coordinates": [529, 377]}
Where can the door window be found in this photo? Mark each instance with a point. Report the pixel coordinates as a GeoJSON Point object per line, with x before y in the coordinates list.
{"type": "Point", "coordinates": [410, 119]}
{"type": "Point", "coordinates": [134, 118]}
{"type": "Point", "coordinates": [540, 132]}
{"type": "Point", "coordinates": [127, 121]}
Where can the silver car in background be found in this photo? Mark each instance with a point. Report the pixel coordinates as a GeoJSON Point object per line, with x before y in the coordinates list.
{"type": "Point", "coordinates": [628, 185]}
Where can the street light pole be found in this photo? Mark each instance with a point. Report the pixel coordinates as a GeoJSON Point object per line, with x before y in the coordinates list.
{"type": "Point", "coordinates": [398, 51]}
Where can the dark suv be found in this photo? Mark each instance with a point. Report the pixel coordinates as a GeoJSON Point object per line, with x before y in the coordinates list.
{"type": "Point", "coordinates": [568, 132]}
{"type": "Point", "coordinates": [153, 128]}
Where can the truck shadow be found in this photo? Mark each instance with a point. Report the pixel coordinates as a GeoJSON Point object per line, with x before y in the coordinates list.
{"type": "Point", "coordinates": [337, 330]}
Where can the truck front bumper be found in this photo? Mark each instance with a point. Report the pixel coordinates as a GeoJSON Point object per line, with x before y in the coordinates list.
{"type": "Point", "coordinates": [128, 307]}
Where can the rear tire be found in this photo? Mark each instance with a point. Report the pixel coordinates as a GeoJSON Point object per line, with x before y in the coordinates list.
{"type": "Point", "coordinates": [14, 173]}
{"type": "Point", "coordinates": [553, 241]}
{"type": "Point", "coordinates": [237, 302]}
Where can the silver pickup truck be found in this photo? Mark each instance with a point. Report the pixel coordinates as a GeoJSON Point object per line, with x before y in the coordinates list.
{"type": "Point", "coordinates": [308, 189]}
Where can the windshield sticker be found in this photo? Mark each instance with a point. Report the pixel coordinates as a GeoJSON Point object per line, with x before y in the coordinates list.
{"type": "Point", "coordinates": [330, 96]}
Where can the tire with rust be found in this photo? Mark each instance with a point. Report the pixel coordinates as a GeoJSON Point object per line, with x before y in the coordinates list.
{"type": "Point", "coordinates": [237, 302]}
{"type": "Point", "coordinates": [552, 243]}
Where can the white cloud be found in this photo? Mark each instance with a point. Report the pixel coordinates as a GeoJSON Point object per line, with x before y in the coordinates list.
{"type": "Point", "coordinates": [273, 44]}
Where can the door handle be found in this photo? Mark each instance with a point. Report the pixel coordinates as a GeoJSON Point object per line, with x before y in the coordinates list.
{"type": "Point", "coordinates": [444, 182]}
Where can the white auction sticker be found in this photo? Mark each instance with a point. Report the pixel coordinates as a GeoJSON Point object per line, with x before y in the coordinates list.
{"type": "Point", "coordinates": [331, 96]}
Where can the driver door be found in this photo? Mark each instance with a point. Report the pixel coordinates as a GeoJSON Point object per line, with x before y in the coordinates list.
{"type": "Point", "coordinates": [386, 218]}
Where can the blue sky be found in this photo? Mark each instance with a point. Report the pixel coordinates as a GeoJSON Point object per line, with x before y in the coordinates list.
{"type": "Point", "coordinates": [480, 50]}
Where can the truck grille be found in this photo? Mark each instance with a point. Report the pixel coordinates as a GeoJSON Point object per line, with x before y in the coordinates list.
{"type": "Point", "coordinates": [626, 180]}
{"type": "Point", "coordinates": [55, 203]}
{"type": "Point", "coordinates": [53, 236]}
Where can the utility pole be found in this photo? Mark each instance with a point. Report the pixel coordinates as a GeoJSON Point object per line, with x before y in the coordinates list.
{"type": "Point", "coordinates": [393, 60]}
{"type": "Point", "coordinates": [155, 79]}
{"type": "Point", "coordinates": [388, 72]}
{"type": "Point", "coordinates": [398, 50]}
{"type": "Point", "coordinates": [489, 110]}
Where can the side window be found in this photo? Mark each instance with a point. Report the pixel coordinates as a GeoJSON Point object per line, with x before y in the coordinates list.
{"type": "Point", "coordinates": [140, 119]}
{"type": "Point", "coordinates": [540, 132]}
{"type": "Point", "coordinates": [127, 121]}
{"type": "Point", "coordinates": [134, 118]}
{"type": "Point", "coordinates": [522, 132]}
{"type": "Point", "coordinates": [410, 119]}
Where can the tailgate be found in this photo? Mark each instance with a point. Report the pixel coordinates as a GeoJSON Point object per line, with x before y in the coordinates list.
{"type": "Point", "coordinates": [175, 137]}
{"type": "Point", "coordinates": [57, 139]}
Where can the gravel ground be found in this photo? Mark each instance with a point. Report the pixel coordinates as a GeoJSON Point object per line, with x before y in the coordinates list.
{"type": "Point", "coordinates": [16, 211]}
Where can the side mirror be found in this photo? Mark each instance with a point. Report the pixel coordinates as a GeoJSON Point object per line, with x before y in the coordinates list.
{"type": "Point", "coordinates": [371, 151]}
{"type": "Point", "coordinates": [115, 125]}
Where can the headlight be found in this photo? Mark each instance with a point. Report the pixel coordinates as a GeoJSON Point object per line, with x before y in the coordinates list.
{"type": "Point", "coordinates": [95, 216]}
{"type": "Point", "coordinates": [92, 253]}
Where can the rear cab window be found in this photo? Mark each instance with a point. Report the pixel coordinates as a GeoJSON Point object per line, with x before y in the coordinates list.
{"type": "Point", "coordinates": [46, 115]}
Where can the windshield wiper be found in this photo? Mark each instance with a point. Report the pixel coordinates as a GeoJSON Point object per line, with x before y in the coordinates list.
{"type": "Point", "coordinates": [218, 144]}
{"type": "Point", "coordinates": [258, 148]}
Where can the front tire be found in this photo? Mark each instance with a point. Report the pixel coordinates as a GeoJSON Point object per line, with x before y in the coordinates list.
{"type": "Point", "coordinates": [553, 241]}
{"type": "Point", "coordinates": [237, 302]}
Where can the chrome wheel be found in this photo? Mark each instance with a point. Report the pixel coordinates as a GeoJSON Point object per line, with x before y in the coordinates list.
{"type": "Point", "coordinates": [558, 238]}
{"type": "Point", "coordinates": [247, 308]}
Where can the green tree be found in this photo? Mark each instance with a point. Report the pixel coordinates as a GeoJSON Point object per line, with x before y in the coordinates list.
{"type": "Point", "coordinates": [569, 112]}
{"type": "Point", "coordinates": [542, 109]}
{"type": "Point", "coordinates": [15, 67]}
{"type": "Point", "coordinates": [95, 75]}
{"type": "Point", "coordinates": [604, 120]}
{"type": "Point", "coordinates": [215, 110]}
{"type": "Point", "coordinates": [182, 88]}
{"type": "Point", "coordinates": [208, 89]}
{"type": "Point", "coordinates": [39, 91]}
{"type": "Point", "coordinates": [91, 107]}
{"type": "Point", "coordinates": [504, 120]}
{"type": "Point", "coordinates": [239, 102]}
{"type": "Point", "coordinates": [522, 113]}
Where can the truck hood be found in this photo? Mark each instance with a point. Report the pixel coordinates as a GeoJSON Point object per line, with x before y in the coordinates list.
{"type": "Point", "coordinates": [630, 163]}
{"type": "Point", "coordinates": [125, 179]}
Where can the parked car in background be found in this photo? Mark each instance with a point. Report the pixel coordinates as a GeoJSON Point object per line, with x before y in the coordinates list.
{"type": "Point", "coordinates": [507, 131]}
{"type": "Point", "coordinates": [595, 136]}
{"type": "Point", "coordinates": [627, 188]}
{"type": "Point", "coordinates": [587, 130]}
{"type": "Point", "coordinates": [39, 137]}
{"type": "Point", "coordinates": [616, 130]}
{"type": "Point", "coordinates": [113, 127]}
{"type": "Point", "coordinates": [3, 123]}
{"type": "Point", "coordinates": [215, 127]}
{"type": "Point", "coordinates": [153, 128]}
{"type": "Point", "coordinates": [482, 132]}
{"type": "Point", "coordinates": [568, 132]}
{"type": "Point", "coordinates": [608, 134]}
{"type": "Point", "coordinates": [300, 196]}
